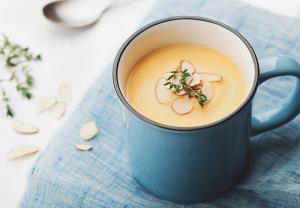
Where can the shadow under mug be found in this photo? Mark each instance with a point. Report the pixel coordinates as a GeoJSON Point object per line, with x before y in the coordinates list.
{"type": "Point", "coordinates": [194, 164]}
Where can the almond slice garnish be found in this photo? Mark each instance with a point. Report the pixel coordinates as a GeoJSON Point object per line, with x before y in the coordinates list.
{"type": "Point", "coordinates": [187, 65]}
{"type": "Point", "coordinates": [208, 77]}
{"type": "Point", "coordinates": [181, 93]}
{"type": "Point", "coordinates": [163, 95]}
{"type": "Point", "coordinates": [189, 79]}
{"type": "Point", "coordinates": [196, 80]}
{"type": "Point", "coordinates": [207, 90]}
{"type": "Point", "coordinates": [182, 105]}
{"type": "Point", "coordinates": [84, 147]}
{"type": "Point", "coordinates": [25, 128]}
{"type": "Point", "coordinates": [21, 151]}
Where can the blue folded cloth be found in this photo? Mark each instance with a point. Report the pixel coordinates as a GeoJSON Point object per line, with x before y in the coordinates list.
{"type": "Point", "coordinates": [64, 177]}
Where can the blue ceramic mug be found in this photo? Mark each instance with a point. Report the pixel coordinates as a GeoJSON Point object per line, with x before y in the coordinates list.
{"type": "Point", "coordinates": [195, 164]}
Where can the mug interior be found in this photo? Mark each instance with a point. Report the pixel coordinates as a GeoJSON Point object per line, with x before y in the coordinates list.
{"type": "Point", "coordinates": [200, 31]}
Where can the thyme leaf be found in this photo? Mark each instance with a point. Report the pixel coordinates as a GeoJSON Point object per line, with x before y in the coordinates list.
{"type": "Point", "coordinates": [17, 60]}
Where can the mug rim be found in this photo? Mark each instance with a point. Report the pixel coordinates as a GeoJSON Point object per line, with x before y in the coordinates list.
{"type": "Point", "coordinates": [178, 128]}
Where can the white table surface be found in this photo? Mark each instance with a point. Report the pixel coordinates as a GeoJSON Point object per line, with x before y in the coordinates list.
{"type": "Point", "coordinates": [74, 57]}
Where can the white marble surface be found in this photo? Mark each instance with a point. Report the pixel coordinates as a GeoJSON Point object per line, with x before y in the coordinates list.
{"type": "Point", "coordinates": [74, 57]}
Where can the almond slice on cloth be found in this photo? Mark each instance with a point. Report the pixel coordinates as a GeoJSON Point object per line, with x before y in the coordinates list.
{"type": "Point", "coordinates": [21, 151]}
{"type": "Point", "coordinates": [163, 95]}
{"type": "Point", "coordinates": [207, 90]}
{"type": "Point", "coordinates": [88, 130]}
{"type": "Point", "coordinates": [182, 105]}
{"type": "Point", "coordinates": [84, 147]}
{"type": "Point", "coordinates": [25, 128]}
{"type": "Point", "coordinates": [187, 65]}
{"type": "Point", "coordinates": [196, 80]}
{"type": "Point", "coordinates": [46, 104]}
{"type": "Point", "coordinates": [64, 92]}
{"type": "Point", "coordinates": [58, 110]}
{"type": "Point", "coordinates": [208, 77]}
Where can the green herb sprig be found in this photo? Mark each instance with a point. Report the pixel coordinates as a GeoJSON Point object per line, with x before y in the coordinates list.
{"type": "Point", "coordinates": [17, 61]}
{"type": "Point", "coordinates": [183, 85]}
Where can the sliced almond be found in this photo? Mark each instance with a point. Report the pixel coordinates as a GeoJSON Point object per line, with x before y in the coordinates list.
{"type": "Point", "coordinates": [21, 151]}
{"type": "Point", "coordinates": [182, 105]}
{"type": "Point", "coordinates": [25, 128]}
{"type": "Point", "coordinates": [197, 86]}
{"type": "Point", "coordinates": [196, 80]}
{"type": "Point", "coordinates": [189, 79]}
{"type": "Point", "coordinates": [58, 110]}
{"type": "Point", "coordinates": [84, 147]}
{"type": "Point", "coordinates": [172, 90]}
{"type": "Point", "coordinates": [46, 104]}
{"type": "Point", "coordinates": [88, 130]}
{"type": "Point", "coordinates": [181, 93]}
{"type": "Point", "coordinates": [187, 65]}
{"type": "Point", "coordinates": [208, 77]}
{"type": "Point", "coordinates": [64, 92]}
{"type": "Point", "coordinates": [207, 90]}
{"type": "Point", "coordinates": [163, 95]}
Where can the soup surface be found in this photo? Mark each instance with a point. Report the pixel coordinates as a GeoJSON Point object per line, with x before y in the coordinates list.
{"type": "Point", "coordinates": [228, 93]}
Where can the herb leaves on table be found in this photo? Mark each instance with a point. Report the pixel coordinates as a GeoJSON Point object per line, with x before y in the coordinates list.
{"type": "Point", "coordinates": [16, 63]}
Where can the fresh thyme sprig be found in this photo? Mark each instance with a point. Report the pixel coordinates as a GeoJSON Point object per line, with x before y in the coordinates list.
{"type": "Point", "coordinates": [16, 63]}
{"type": "Point", "coordinates": [183, 85]}
{"type": "Point", "coordinates": [6, 101]}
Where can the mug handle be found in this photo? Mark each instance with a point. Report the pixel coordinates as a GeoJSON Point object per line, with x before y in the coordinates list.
{"type": "Point", "coordinates": [275, 67]}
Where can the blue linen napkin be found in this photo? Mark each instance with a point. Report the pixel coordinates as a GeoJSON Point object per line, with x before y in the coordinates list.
{"type": "Point", "coordinates": [64, 177]}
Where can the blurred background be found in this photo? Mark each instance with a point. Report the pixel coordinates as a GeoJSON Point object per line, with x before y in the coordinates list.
{"type": "Point", "coordinates": [70, 56]}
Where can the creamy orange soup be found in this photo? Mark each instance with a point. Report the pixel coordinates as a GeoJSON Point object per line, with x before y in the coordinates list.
{"type": "Point", "coordinates": [228, 94]}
